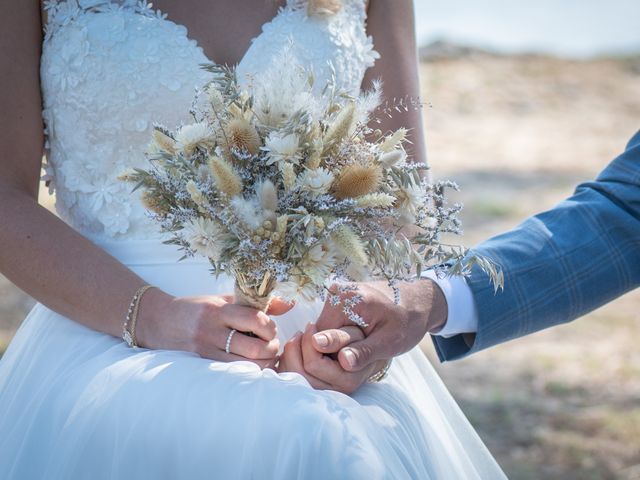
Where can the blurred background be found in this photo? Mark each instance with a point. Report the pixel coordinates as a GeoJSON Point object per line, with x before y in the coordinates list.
{"type": "Point", "coordinates": [524, 100]}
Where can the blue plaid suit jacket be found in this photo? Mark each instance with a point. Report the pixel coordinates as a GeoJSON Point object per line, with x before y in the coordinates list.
{"type": "Point", "coordinates": [560, 264]}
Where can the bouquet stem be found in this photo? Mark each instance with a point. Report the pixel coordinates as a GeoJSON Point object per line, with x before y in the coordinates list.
{"type": "Point", "coordinates": [254, 297]}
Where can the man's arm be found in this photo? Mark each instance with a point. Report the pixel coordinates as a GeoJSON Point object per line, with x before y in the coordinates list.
{"type": "Point", "coordinates": [560, 264]}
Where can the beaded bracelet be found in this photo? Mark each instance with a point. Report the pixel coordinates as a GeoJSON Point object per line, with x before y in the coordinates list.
{"type": "Point", "coordinates": [129, 327]}
{"type": "Point", "coordinates": [380, 374]}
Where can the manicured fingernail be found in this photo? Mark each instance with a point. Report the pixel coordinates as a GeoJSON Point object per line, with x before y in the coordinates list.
{"type": "Point", "coordinates": [321, 339]}
{"type": "Point", "coordinates": [350, 357]}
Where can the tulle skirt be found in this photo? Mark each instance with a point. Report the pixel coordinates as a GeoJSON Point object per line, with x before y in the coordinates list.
{"type": "Point", "coordinates": [76, 404]}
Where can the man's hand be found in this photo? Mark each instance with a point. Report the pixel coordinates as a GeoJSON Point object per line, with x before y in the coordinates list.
{"type": "Point", "coordinates": [392, 329]}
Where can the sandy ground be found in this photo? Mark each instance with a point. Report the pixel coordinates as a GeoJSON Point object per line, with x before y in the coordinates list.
{"type": "Point", "coordinates": [517, 133]}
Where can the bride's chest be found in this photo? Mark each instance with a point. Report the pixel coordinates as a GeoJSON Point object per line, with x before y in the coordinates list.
{"type": "Point", "coordinates": [109, 57]}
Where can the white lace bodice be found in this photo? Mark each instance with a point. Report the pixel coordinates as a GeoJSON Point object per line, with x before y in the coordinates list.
{"type": "Point", "coordinates": [110, 69]}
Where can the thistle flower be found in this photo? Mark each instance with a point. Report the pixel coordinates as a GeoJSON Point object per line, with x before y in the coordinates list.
{"type": "Point", "coordinates": [282, 148]}
{"type": "Point", "coordinates": [226, 179]}
{"type": "Point", "coordinates": [242, 135]}
{"type": "Point", "coordinates": [357, 180]}
{"type": "Point", "coordinates": [317, 181]}
{"type": "Point", "coordinates": [349, 244]}
{"type": "Point", "coordinates": [190, 137]}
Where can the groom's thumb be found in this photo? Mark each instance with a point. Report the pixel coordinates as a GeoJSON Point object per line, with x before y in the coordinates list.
{"type": "Point", "coordinates": [358, 355]}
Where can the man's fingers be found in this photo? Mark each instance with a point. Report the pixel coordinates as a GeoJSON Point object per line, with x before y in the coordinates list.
{"type": "Point", "coordinates": [277, 306]}
{"type": "Point", "coordinates": [331, 317]}
{"type": "Point", "coordinates": [334, 340]}
{"type": "Point", "coordinates": [360, 355]}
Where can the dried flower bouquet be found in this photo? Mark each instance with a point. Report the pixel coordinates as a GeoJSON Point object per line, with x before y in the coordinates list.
{"type": "Point", "coordinates": [288, 190]}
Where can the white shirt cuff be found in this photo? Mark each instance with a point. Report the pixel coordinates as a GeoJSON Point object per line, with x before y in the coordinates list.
{"type": "Point", "coordinates": [462, 313]}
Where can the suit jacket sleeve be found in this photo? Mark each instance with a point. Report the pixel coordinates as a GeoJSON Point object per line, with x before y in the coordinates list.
{"type": "Point", "coordinates": [560, 264]}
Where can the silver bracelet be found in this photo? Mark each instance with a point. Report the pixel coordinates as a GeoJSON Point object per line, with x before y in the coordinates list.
{"type": "Point", "coordinates": [129, 327]}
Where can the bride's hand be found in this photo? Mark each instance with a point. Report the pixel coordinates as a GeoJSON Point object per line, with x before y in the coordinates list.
{"type": "Point", "coordinates": [323, 371]}
{"type": "Point", "coordinates": [201, 324]}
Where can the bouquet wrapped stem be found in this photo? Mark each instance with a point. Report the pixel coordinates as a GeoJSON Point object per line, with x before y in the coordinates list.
{"type": "Point", "coordinates": [258, 297]}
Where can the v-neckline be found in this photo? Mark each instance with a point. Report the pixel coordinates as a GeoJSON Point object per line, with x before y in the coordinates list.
{"type": "Point", "coordinates": [164, 17]}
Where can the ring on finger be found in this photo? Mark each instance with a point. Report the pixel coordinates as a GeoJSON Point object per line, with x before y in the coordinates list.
{"type": "Point", "coordinates": [227, 346]}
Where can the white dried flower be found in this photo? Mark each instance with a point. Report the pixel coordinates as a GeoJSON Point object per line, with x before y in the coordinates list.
{"type": "Point", "coordinates": [319, 262]}
{"type": "Point", "coordinates": [297, 288]}
{"type": "Point", "coordinates": [392, 158]}
{"type": "Point", "coordinates": [283, 148]}
{"type": "Point", "coordinates": [194, 135]}
{"type": "Point", "coordinates": [317, 181]}
{"type": "Point", "coordinates": [205, 237]}
{"type": "Point", "coordinates": [410, 199]}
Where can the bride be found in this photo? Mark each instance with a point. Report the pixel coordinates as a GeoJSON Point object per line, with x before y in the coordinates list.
{"type": "Point", "coordinates": [194, 401]}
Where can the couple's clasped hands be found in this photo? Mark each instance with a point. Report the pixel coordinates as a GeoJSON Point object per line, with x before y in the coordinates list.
{"type": "Point", "coordinates": [337, 355]}
{"type": "Point", "coordinates": [332, 354]}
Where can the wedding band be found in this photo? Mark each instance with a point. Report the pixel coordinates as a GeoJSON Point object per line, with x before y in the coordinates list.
{"type": "Point", "coordinates": [227, 347]}
{"type": "Point", "coordinates": [381, 374]}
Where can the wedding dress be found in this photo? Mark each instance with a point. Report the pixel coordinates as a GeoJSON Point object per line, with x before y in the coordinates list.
{"type": "Point", "coordinates": [76, 403]}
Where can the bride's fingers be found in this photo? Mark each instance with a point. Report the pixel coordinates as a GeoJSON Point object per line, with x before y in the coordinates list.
{"type": "Point", "coordinates": [334, 340]}
{"type": "Point", "coordinates": [291, 361]}
{"type": "Point", "coordinates": [246, 319]}
{"type": "Point", "coordinates": [253, 348]}
{"type": "Point", "coordinates": [327, 369]}
{"type": "Point", "coordinates": [279, 306]}
{"type": "Point", "coordinates": [230, 357]}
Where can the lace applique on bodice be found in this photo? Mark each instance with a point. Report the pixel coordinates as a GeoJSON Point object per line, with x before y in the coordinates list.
{"type": "Point", "coordinates": [109, 70]}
